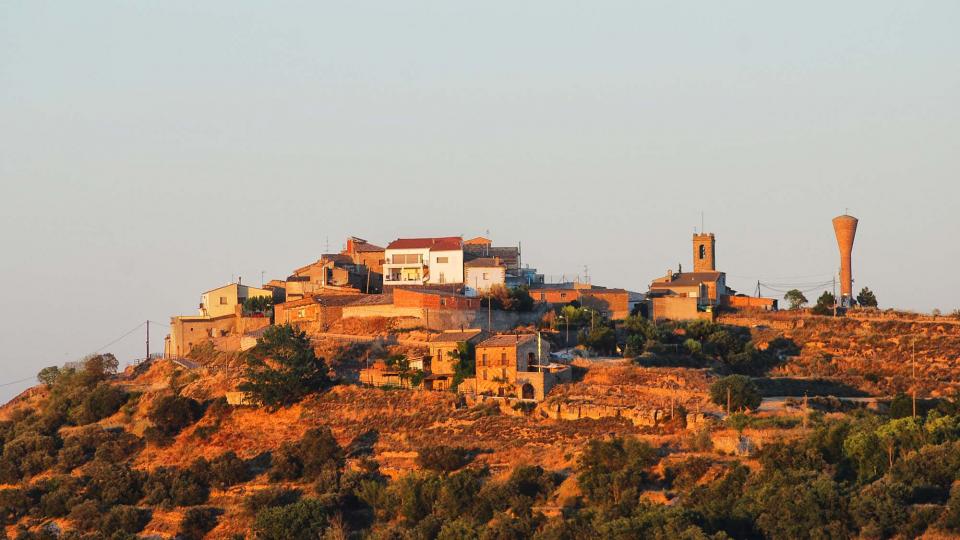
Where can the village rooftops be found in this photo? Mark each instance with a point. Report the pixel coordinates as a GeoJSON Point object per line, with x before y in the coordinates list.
{"type": "Point", "coordinates": [478, 241]}
{"type": "Point", "coordinates": [456, 336]}
{"type": "Point", "coordinates": [484, 262]}
{"type": "Point", "coordinates": [444, 243]}
{"type": "Point", "coordinates": [362, 246]}
{"type": "Point", "coordinates": [686, 279]}
{"type": "Point", "coordinates": [506, 340]}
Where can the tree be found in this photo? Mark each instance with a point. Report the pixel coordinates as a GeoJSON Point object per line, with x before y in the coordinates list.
{"type": "Point", "coordinates": [282, 368]}
{"type": "Point", "coordinates": [741, 391]}
{"type": "Point", "coordinates": [443, 458]}
{"type": "Point", "coordinates": [49, 375]}
{"type": "Point", "coordinates": [601, 339]}
{"type": "Point", "coordinates": [825, 304]}
{"type": "Point", "coordinates": [796, 298]}
{"type": "Point", "coordinates": [170, 414]}
{"type": "Point", "coordinates": [465, 363]}
{"type": "Point", "coordinates": [258, 304]}
{"type": "Point", "coordinates": [866, 298]}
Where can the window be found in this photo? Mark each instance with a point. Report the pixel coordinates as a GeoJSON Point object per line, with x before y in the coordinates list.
{"type": "Point", "coordinates": [486, 276]}
{"type": "Point", "coordinates": [442, 260]}
{"type": "Point", "coordinates": [563, 295]}
{"type": "Point", "coordinates": [484, 374]}
{"type": "Point", "coordinates": [703, 251]}
{"type": "Point", "coordinates": [503, 358]}
{"type": "Point", "coordinates": [443, 301]}
{"type": "Point", "coordinates": [483, 359]}
{"type": "Point", "coordinates": [503, 372]}
{"type": "Point", "coordinates": [302, 313]}
{"type": "Point", "coordinates": [223, 300]}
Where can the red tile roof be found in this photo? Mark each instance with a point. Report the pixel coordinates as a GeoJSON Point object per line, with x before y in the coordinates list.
{"type": "Point", "coordinates": [443, 243]}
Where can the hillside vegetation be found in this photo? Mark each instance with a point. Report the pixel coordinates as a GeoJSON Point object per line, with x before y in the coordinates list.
{"type": "Point", "coordinates": [156, 451]}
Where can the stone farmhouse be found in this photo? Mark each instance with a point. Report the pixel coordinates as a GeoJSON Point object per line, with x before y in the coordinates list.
{"type": "Point", "coordinates": [516, 366]}
{"type": "Point", "coordinates": [442, 362]}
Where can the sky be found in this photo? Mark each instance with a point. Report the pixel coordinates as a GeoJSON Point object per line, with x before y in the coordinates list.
{"type": "Point", "coordinates": [152, 150]}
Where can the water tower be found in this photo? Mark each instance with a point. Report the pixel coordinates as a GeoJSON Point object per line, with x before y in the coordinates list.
{"type": "Point", "coordinates": [845, 227]}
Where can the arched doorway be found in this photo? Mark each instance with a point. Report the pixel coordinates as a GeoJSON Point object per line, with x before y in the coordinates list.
{"type": "Point", "coordinates": [526, 391]}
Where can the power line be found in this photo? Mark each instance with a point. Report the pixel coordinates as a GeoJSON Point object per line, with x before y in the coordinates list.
{"type": "Point", "coordinates": [18, 382]}
{"type": "Point", "coordinates": [121, 337]}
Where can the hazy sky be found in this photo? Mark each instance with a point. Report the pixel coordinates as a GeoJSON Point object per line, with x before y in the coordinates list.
{"type": "Point", "coordinates": [151, 150]}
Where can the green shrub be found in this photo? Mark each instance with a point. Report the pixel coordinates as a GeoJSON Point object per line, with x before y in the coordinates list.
{"type": "Point", "coordinates": [305, 519]}
{"type": "Point", "coordinates": [103, 401]}
{"type": "Point", "coordinates": [113, 484]}
{"type": "Point", "coordinates": [197, 522]}
{"type": "Point", "coordinates": [227, 470]}
{"type": "Point", "coordinates": [614, 472]}
{"type": "Point", "coordinates": [741, 391]}
{"type": "Point", "coordinates": [124, 519]}
{"type": "Point", "coordinates": [443, 458]}
{"type": "Point", "coordinates": [14, 504]}
{"type": "Point", "coordinates": [171, 486]}
{"type": "Point", "coordinates": [170, 414]}
{"type": "Point", "coordinates": [269, 498]}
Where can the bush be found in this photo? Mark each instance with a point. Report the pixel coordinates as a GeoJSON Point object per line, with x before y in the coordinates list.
{"type": "Point", "coordinates": [170, 414]}
{"type": "Point", "coordinates": [170, 486]}
{"type": "Point", "coordinates": [227, 470]}
{"type": "Point", "coordinates": [741, 391]}
{"type": "Point", "coordinates": [443, 458]}
{"type": "Point", "coordinates": [124, 519]}
{"type": "Point", "coordinates": [103, 401]}
{"type": "Point", "coordinates": [315, 454]}
{"type": "Point", "coordinates": [613, 472]}
{"type": "Point", "coordinates": [112, 484]}
{"type": "Point", "coordinates": [86, 515]}
{"type": "Point", "coordinates": [305, 519]}
{"type": "Point", "coordinates": [269, 498]}
{"type": "Point", "coordinates": [197, 522]}
{"type": "Point", "coordinates": [59, 495]}
{"type": "Point", "coordinates": [14, 504]}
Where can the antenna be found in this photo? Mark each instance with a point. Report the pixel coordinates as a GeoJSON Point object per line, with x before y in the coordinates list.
{"type": "Point", "coordinates": [702, 229]}
{"type": "Point", "coordinates": [326, 247]}
{"type": "Point", "coordinates": [586, 274]}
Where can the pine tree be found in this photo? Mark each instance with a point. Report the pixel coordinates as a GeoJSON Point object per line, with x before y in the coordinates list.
{"type": "Point", "coordinates": [283, 369]}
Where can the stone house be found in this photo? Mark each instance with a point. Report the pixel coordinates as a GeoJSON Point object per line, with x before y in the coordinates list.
{"type": "Point", "coordinates": [514, 365]}
{"type": "Point", "coordinates": [314, 313]}
{"type": "Point", "coordinates": [611, 303]}
{"type": "Point", "coordinates": [224, 300]}
{"type": "Point", "coordinates": [364, 253]}
{"type": "Point", "coordinates": [441, 363]}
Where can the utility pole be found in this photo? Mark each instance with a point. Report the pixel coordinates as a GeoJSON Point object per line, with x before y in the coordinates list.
{"type": "Point", "coordinates": [148, 340]}
{"type": "Point", "coordinates": [368, 280]}
{"type": "Point", "coordinates": [913, 369]}
{"type": "Point", "coordinates": [489, 314]}
{"type": "Point", "coordinates": [728, 400]}
{"type": "Point", "coordinates": [834, 295]}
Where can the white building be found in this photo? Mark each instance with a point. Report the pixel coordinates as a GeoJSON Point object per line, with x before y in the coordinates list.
{"type": "Point", "coordinates": [483, 273]}
{"type": "Point", "coordinates": [419, 261]}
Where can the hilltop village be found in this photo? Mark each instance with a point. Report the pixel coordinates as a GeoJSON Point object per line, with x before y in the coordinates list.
{"type": "Point", "coordinates": [455, 293]}
{"type": "Point", "coordinates": [441, 388]}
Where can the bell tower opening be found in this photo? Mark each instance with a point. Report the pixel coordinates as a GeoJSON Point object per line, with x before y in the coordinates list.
{"type": "Point", "coordinates": [704, 253]}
